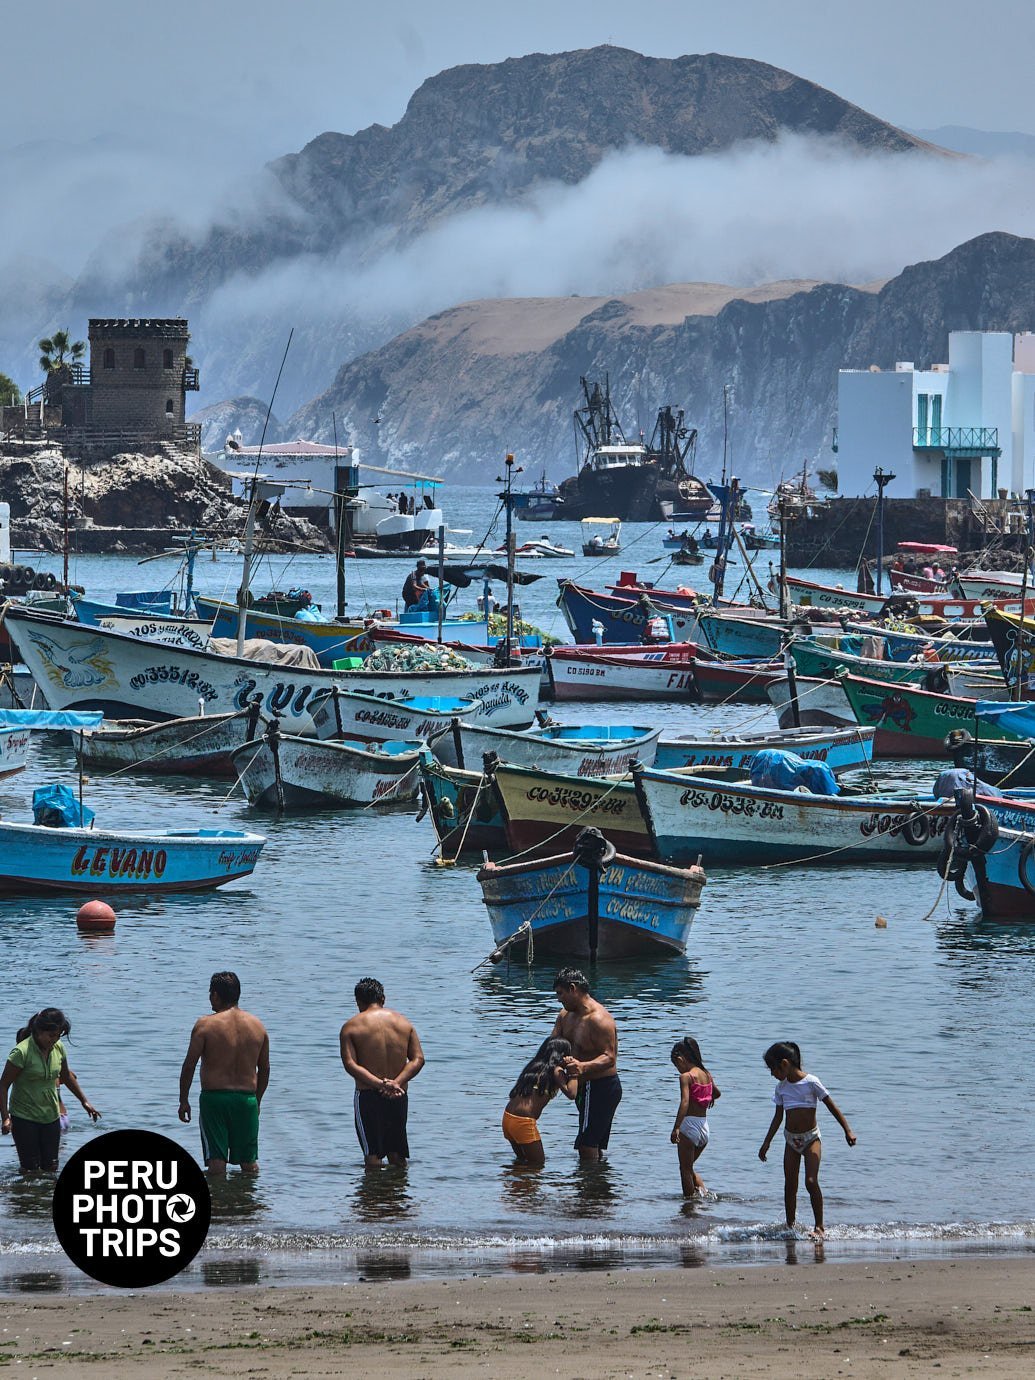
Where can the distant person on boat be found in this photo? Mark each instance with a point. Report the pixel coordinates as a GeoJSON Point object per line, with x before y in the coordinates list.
{"type": "Point", "coordinates": [539, 1082]}
{"type": "Point", "coordinates": [417, 593]}
{"type": "Point", "coordinates": [35, 1068]}
{"type": "Point", "coordinates": [697, 1093]}
{"type": "Point", "coordinates": [234, 1050]}
{"type": "Point", "coordinates": [797, 1096]}
{"type": "Point", "coordinates": [959, 744]}
{"type": "Point", "coordinates": [381, 1053]}
{"type": "Point", "coordinates": [590, 1028]}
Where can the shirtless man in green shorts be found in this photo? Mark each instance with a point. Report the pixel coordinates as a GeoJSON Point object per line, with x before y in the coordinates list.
{"type": "Point", "coordinates": [234, 1050]}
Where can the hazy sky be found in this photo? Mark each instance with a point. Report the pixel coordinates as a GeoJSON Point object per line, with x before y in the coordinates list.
{"type": "Point", "coordinates": [264, 76]}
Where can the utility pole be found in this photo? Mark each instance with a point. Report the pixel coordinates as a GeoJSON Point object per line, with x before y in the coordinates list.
{"type": "Point", "coordinates": [881, 480]}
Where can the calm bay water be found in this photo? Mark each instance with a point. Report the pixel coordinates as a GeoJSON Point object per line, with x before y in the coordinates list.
{"type": "Point", "coordinates": [912, 1027]}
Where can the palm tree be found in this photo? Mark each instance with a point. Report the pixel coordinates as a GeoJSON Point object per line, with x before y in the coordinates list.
{"type": "Point", "coordinates": [56, 347]}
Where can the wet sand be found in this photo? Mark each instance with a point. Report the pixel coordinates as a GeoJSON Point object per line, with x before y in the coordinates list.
{"type": "Point", "coordinates": [969, 1316]}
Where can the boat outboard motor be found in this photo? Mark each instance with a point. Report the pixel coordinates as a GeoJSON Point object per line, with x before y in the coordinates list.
{"type": "Point", "coordinates": [936, 680]}
{"type": "Point", "coordinates": [972, 832]}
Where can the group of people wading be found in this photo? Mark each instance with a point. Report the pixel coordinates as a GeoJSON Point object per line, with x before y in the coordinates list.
{"type": "Point", "coordinates": [382, 1053]}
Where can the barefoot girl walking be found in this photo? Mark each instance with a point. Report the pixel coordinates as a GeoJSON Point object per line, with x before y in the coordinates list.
{"type": "Point", "coordinates": [697, 1092]}
{"type": "Point", "coordinates": [798, 1094]}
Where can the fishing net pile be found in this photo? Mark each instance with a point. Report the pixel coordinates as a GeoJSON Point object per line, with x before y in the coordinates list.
{"type": "Point", "coordinates": [522, 627]}
{"type": "Point", "coordinates": [428, 656]}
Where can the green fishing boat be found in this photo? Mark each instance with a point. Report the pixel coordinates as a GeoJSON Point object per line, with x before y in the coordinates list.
{"type": "Point", "coordinates": [911, 722]}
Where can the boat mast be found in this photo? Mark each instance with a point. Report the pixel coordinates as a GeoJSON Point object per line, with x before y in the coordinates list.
{"type": "Point", "coordinates": [1029, 495]}
{"type": "Point", "coordinates": [881, 480]}
{"type": "Point", "coordinates": [508, 502]}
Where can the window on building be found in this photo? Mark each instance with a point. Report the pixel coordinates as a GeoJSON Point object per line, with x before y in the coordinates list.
{"type": "Point", "coordinates": [139, 359]}
{"type": "Point", "coordinates": [167, 359]}
{"type": "Point", "coordinates": [168, 407]}
{"type": "Point", "coordinates": [109, 359]}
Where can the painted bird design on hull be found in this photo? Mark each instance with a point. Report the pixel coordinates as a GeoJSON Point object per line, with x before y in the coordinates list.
{"type": "Point", "coordinates": [75, 668]}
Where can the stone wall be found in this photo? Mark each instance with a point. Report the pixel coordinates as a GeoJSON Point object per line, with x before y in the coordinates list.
{"type": "Point", "coordinates": [137, 374]}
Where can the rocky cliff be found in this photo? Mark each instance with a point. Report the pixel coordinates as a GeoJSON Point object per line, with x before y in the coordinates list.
{"type": "Point", "coordinates": [471, 137]}
{"type": "Point", "coordinates": [129, 503]}
{"type": "Point", "coordinates": [458, 390]}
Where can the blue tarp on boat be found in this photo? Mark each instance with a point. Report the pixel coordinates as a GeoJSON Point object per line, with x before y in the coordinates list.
{"type": "Point", "coordinates": [786, 771]}
{"type": "Point", "coordinates": [50, 718]}
{"type": "Point", "coordinates": [1016, 718]}
{"type": "Point", "coordinates": [57, 807]}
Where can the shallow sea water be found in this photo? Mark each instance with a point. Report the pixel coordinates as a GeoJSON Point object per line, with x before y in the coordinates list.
{"type": "Point", "coordinates": [921, 1030]}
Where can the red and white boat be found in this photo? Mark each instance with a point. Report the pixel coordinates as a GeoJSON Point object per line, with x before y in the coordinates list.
{"type": "Point", "coordinates": [619, 672]}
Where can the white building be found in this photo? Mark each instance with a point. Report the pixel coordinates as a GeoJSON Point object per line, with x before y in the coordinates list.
{"type": "Point", "coordinates": [965, 425]}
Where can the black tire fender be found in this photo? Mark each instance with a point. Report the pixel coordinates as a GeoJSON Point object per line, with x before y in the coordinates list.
{"type": "Point", "coordinates": [1027, 853]}
{"type": "Point", "coordinates": [987, 831]}
{"type": "Point", "coordinates": [916, 830]}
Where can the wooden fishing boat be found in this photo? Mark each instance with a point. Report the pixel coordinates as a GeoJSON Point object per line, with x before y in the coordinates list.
{"type": "Point", "coordinates": [911, 722]}
{"type": "Point", "coordinates": [992, 842]}
{"type": "Point", "coordinates": [728, 822]}
{"type": "Point", "coordinates": [722, 754]}
{"type": "Point", "coordinates": [591, 903]}
{"type": "Point", "coordinates": [992, 584]}
{"type": "Point", "coordinates": [574, 749]}
{"type": "Point", "coordinates": [624, 673]}
{"type": "Point", "coordinates": [621, 617]}
{"type": "Point", "coordinates": [14, 750]}
{"type": "Point", "coordinates": [811, 594]}
{"type": "Point", "coordinates": [734, 635]}
{"type": "Point", "coordinates": [820, 704]}
{"type": "Point", "coordinates": [197, 746]}
{"type": "Point", "coordinates": [349, 714]}
{"type": "Point", "coordinates": [464, 809]}
{"type": "Point", "coordinates": [124, 677]}
{"type": "Point", "coordinates": [286, 772]}
{"type": "Point", "coordinates": [812, 659]}
{"type": "Point", "coordinates": [328, 640]}
{"type": "Point", "coordinates": [545, 810]}
{"type": "Point", "coordinates": [736, 682]}
{"type": "Point", "coordinates": [38, 859]}
{"type": "Point", "coordinates": [965, 643]}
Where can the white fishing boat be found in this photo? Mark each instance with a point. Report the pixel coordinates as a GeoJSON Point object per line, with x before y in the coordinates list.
{"type": "Point", "coordinates": [605, 673]}
{"type": "Point", "coordinates": [197, 746]}
{"type": "Point", "coordinates": [727, 822]}
{"type": "Point", "coordinates": [574, 749]}
{"type": "Point", "coordinates": [821, 703]}
{"type": "Point", "coordinates": [346, 714]}
{"type": "Point", "coordinates": [601, 536]}
{"type": "Point", "coordinates": [844, 749]}
{"type": "Point", "coordinates": [14, 750]}
{"type": "Point", "coordinates": [126, 677]}
{"type": "Point", "coordinates": [285, 772]}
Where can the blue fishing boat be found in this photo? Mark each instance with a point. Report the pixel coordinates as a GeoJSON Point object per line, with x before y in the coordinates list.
{"type": "Point", "coordinates": [464, 809]}
{"type": "Point", "coordinates": [52, 856]}
{"type": "Point", "coordinates": [591, 903]}
{"type": "Point", "coordinates": [992, 840]}
{"type": "Point", "coordinates": [841, 750]}
{"type": "Point", "coordinates": [732, 635]}
{"type": "Point", "coordinates": [621, 618]}
{"type": "Point", "coordinates": [157, 603]}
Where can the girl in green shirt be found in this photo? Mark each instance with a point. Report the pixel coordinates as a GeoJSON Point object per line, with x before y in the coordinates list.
{"type": "Point", "coordinates": [34, 1069]}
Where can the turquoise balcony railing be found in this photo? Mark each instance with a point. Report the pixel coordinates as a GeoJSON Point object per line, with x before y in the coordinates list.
{"type": "Point", "coordinates": [958, 440]}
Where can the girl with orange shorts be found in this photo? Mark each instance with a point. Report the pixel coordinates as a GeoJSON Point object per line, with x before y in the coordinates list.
{"type": "Point", "coordinates": [539, 1082]}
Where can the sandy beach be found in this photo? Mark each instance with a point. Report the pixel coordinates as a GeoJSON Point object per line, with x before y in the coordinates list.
{"type": "Point", "coordinates": [900, 1317]}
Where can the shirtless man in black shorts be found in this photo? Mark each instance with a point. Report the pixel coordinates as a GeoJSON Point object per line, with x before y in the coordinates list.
{"type": "Point", "coordinates": [590, 1028]}
{"type": "Point", "coordinates": [381, 1053]}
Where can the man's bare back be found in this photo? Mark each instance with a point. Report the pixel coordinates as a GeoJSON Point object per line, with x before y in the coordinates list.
{"type": "Point", "coordinates": [231, 1049]}
{"type": "Point", "coordinates": [379, 1042]}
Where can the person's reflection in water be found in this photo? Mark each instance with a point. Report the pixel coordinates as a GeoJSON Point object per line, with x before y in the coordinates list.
{"type": "Point", "coordinates": [228, 1274]}
{"type": "Point", "coordinates": [593, 1182]}
{"type": "Point", "coordinates": [383, 1193]}
{"type": "Point", "coordinates": [521, 1187]}
{"type": "Point", "coordinates": [31, 1197]}
{"type": "Point", "coordinates": [237, 1198]}
{"type": "Point", "coordinates": [383, 1264]}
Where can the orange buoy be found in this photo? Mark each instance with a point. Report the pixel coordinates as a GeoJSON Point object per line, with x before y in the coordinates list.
{"type": "Point", "coordinates": [96, 917]}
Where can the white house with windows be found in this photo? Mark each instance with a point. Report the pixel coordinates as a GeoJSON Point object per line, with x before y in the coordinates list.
{"type": "Point", "coordinates": [968, 425]}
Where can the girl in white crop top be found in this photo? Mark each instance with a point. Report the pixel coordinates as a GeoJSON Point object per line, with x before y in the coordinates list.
{"type": "Point", "coordinates": [798, 1094]}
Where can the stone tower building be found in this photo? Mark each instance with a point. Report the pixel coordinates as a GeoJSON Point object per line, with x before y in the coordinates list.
{"type": "Point", "coordinates": [139, 376]}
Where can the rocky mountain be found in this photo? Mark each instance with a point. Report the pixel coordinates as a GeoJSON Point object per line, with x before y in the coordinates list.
{"type": "Point", "coordinates": [456, 392]}
{"type": "Point", "coordinates": [472, 137]}
{"type": "Point", "coordinates": [220, 420]}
